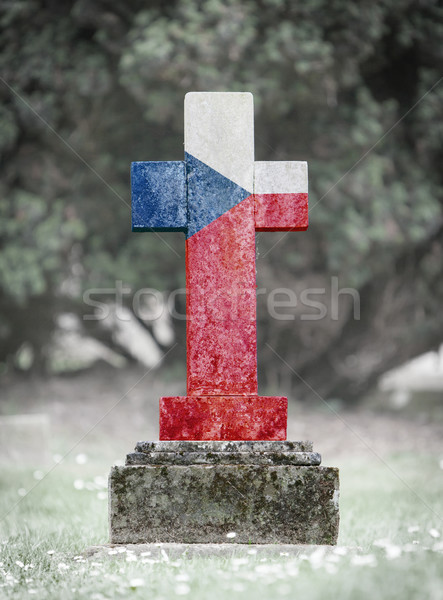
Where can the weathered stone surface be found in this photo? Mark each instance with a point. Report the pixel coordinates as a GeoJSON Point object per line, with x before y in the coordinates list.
{"type": "Point", "coordinates": [280, 177]}
{"type": "Point", "coordinates": [219, 131]}
{"type": "Point", "coordinates": [220, 253]}
{"type": "Point", "coordinates": [224, 458]}
{"type": "Point", "coordinates": [202, 504]}
{"type": "Point", "coordinates": [263, 496]}
{"type": "Point", "coordinates": [220, 196]}
{"type": "Point", "coordinates": [223, 417]}
{"type": "Point", "coordinates": [221, 297]}
{"type": "Point", "coordinates": [281, 196]}
{"type": "Point", "coordinates": [223, 446]}
{"type": "Point", "coordinates": [159, 196]}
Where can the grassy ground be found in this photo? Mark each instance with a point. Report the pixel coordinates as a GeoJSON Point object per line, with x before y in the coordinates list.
{"type": "Point", "coordinates": [399, 554]}
{"type": "Point", "coordinates": [390, 544]}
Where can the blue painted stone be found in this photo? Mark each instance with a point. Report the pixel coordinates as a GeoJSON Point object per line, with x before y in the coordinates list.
{"type": "Point", "coordinates": [210, 194]}
{"type": "Point", "coordinates": [158, 196]}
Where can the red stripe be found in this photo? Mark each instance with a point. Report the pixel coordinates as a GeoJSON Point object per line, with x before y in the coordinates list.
{"type": "Point", "coordinates": [281, 212]}
{"type": "Point", "coordinates": [223, 418]}
{"type": "Point", "coordinates": [221, 305]}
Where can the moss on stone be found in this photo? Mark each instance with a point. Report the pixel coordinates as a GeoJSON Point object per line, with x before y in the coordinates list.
{"type": "Point", "coordinates": [197, 503]}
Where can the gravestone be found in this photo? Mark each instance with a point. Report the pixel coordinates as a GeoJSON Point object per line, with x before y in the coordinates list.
{"type": "Point", "coordinates": [222, 466]}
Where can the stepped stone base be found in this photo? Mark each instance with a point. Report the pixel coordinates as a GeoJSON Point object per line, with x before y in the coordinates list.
{"type": "Point", "coordinates": [203, 492]}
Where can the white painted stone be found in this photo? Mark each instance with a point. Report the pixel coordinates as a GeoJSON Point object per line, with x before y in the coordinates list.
{"type": "Point", "coordinates": [284, 177]}
{"type": "Point", "coordinates": [219, 131]}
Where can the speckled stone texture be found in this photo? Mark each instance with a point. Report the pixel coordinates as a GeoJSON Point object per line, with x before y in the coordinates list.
{"type": "Point", "coordinates": [159, 196]}
{"type": "Point", "coordinates": [223, 418]}
{"type": "Point", "coordinates": [201, 485]}
{"type": "Point", "coordinates": [224, 453]}
{"type": "Point", "coordinates": [224, 458]}
{"type": "Point", "coordinates": [219, 196]}
{"type": "Point", "coordinates": [224, 446]}
{"type": "Point", "coordinates": [202, 504]}
{"type": "Point", "coordinates": [281, 196]}
{"type": "Point", "coordinates": [221, 327]}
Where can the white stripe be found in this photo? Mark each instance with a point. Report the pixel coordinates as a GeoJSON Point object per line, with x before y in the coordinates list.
{"type": "Point", "coordinates": [282, 177]}
{"type": "Point", "coordinates": [219, 131]}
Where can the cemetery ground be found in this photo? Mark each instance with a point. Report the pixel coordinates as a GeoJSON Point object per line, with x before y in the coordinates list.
{"type": "Point", "coordinates": [53, 501]}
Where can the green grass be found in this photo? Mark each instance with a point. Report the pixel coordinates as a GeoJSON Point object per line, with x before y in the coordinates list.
{"type": "Point", "coordinates": [54, 523]}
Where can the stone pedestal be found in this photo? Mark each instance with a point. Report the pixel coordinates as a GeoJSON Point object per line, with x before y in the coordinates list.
{"type": "Point", "coordinates": [223, 417]}
{"type": "Point", "coordinates": [264, 492]}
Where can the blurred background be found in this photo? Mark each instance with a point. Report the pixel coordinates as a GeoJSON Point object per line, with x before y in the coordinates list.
{"type": "Point", "coordinates": [88, 87]}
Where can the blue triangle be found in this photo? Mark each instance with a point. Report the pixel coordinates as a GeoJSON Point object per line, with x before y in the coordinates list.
{"type": "Point", "coordinates": [210, 194]}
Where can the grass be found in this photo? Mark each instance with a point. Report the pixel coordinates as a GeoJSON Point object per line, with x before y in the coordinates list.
{"type": "Point", "coordinates": [385, 547]}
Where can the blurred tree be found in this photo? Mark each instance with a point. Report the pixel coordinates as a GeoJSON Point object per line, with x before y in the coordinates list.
{"type": "Point", "coordinates": [88, 87]}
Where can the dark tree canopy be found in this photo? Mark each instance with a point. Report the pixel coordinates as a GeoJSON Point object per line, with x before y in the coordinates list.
{"type": "Point", "coordinates": [350, 87]}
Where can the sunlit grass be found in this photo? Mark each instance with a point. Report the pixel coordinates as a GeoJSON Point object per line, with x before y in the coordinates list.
{"type": "Point", "coordinates": [390, 545]}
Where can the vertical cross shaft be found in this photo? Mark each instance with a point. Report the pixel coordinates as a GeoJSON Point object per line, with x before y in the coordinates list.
{"type": "Point", "coordinates": [219, 197]}
{"type": "Point", "coordinates": [220, 249]}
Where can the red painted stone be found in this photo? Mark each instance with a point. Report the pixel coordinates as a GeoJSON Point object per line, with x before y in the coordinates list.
{"type": "Point", "coordinates": [281, 212]}
{"type": "Point", "coordinates": [206, 196]}
{"type": "Point", "coordinates": [221, 306]}
{"type": "Point", "coordinates": [223, 418]}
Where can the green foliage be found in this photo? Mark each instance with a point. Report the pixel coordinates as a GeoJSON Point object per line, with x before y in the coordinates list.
{"type": "Point", "coordinates": [37, 238]}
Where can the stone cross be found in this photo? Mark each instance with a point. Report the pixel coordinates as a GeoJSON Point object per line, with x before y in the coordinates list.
{"type": "Point", "coordinates": [219, 197]}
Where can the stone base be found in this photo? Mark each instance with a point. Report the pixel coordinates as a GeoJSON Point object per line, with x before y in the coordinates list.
{"type": "Point", "coordinates": [223, 417]}
{"type": "Point", "coordinates": [266, 497]}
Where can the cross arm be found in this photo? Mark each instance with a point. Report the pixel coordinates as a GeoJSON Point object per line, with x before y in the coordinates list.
{"type": "Point", "coordinates": [158, 191]}
{"type": "Point", "coordinates": [281, 196]}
